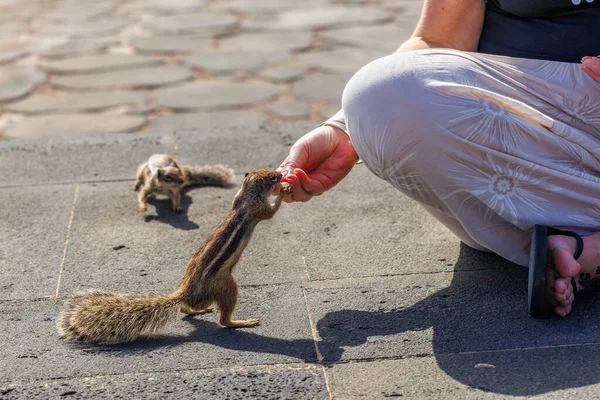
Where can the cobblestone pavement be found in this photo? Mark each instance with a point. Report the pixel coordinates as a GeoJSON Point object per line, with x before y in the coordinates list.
{"type": "Point", "coordinates": [82, 66]}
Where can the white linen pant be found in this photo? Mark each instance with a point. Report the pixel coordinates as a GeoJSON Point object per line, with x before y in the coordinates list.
{"type": "Point", "coordinates": [489, 145]}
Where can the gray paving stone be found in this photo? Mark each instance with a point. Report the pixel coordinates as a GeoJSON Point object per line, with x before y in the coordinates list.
{"type": "Point", "coordinates": [13, 28]}
{"type": "Point", "coordinates": [73, 10]}
{"type": "Point", "coordinates": [32, 232]}
{"type": "Point", "coordinates": [527, 372]}
{"type": "Point", "coordinates": [17, 81]}
{"type": "Point", "coordinates": [82, 28]}
{"type": "Point", "coordinates": [243, 148]}
{"type": "Point", "coordinates": [332, 108]}
{"type": "Point", "coordinates": [73, 124]}
{"type": "Point", "coordinates": [288, 110]}
{"type": "Point", "coordinates": [346, 60]}
{"type": "Point", "coordinates": [387, 231]}
{"type": "Point", "coordinates": [322, 86]}
{"type": "Point", "coordinates": [267, 5]}
{"type": "Point", "coordinates": [131, 78]}
{"type": "Point", "coordinates": [317, 18]}
{"type": "Point", "coordinates": [70, 102]}
{"type": "Point", "coordinates": [214, 94]}
{"type": "Point", "coordinates": [386, 38]}
{"type": "Point", "coordinates": [416, 315]}
{"type": "Point", "coordinates": [11, 50]}
{"type": "Point", "coordinates": [33, 350]}
{"type": "Point", "coordinates": [159, 244]}
{"type": "Point", "coordinates": [284, 73]}
{"type": "Point", "coordinates": [99, 63]}
{"type": "Point", "coordinates": [262, 382]}
{"type": "Point", "coordinates": [62, 48]}
{"type": "Point", "coordinates": [267, 42]}
{"type": "Point", "coordinates": [79, 159]}
{"type": "Point", "coordinates": [235, 61]}
{"type": "Point", "coordinates": [171, 123]}
{"type": "Point", "coordinates": [171, 44]}
{"type": "Point", "coordinates": [167, 6]}
{"type": "Point", "coordinates": [205, 22]}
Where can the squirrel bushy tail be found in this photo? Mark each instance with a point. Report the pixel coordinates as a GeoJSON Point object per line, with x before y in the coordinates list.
{"type": "Point", "coordinates": [215, 175]}
{"type": "Point", "coordinates": [102, 317]}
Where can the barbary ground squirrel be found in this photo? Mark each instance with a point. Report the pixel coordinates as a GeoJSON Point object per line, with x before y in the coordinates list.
{"type": "Point", "coordinates": [162, 175]}
{"type": "Point", "coordinates": [96, 316]}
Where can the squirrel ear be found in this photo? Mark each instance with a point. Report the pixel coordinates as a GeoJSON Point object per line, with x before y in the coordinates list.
{"type": "Point", "coordinates": [261, 180]}
{"type": "Point", "coordinates": [159, 172]}
{"type": "Point", "coordinates": [246, 174]}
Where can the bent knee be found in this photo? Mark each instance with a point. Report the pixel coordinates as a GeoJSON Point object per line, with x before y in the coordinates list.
{"type": "Point", "coordinates": [394, 101]}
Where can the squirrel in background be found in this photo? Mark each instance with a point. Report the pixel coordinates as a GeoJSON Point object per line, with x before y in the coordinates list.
{"type": "Point", "coordinates": [162, 175]}
{"type": "Point", "coordinates": [113, 318]}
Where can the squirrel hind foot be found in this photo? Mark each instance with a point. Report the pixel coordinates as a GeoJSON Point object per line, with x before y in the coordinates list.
{"type": "Point", "coordinates": [240, 323]}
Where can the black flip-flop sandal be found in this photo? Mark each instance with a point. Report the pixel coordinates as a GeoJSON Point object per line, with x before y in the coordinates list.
{"type": "Point", "coordinates": [538, 305]}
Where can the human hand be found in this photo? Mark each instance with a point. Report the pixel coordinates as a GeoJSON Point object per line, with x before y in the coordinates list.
{"type": "Point", "coordinates": [591, 66]}
{"type": "Point", "coordinates": [317, 162]}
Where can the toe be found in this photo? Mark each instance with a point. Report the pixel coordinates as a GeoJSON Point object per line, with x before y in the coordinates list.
{"type": "Point", "coordinates": [562, 311]}
{"type": "Point", "coordinates": [562, 249]}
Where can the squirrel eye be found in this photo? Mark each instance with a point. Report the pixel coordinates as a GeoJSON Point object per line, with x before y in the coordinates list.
{"type": "Point", "coordinates": [274, 178]}
{"type": "Point", "coordinates": [168, 178]}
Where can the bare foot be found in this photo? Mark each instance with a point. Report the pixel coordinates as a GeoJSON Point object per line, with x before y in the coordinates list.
{"type": "Point", "coordinates": [586, 270]}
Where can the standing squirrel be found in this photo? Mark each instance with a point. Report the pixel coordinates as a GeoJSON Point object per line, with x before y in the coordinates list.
{"type": "Point", "coordinates": [162, 175]}
{"type": "Point", "coordinates": [113, 318]}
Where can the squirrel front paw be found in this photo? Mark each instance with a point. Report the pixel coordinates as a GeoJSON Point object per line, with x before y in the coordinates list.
{"type": "Point", "coordinates": [287, 189]}
{"type": "Point", "coordinates": [177, 209]}
{"type": "Point", "coordinates": [143, 208]}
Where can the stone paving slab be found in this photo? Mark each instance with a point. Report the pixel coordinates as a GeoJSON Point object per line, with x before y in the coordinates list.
{"type": "Point", "coordinates": [69, 102]}
{"type": "Point", "coordinates": [174, 122]}
{"type": "Point", "coordinates": [167, 6]}
{"type": "Point", "coordinates": [235, 61]}
{"type": "Point", "coordinates": [283, 73]}
{"type": "Point", "coordinates": [98, 157]}
{"type": "Point", "coordinates": [371, 37]}
{"type": "Point", "coordinates": [149, 77]}
{"type": "Point", "coordinates": [322, 87]}
{"type": "Point", "coordinates": [171, 44]}
{"type": "Point", "coordinates": [206, 23]}
{"type": "Point", "coordinates": [73, 124]}
{"type": "Point", "coordinates": [33, 350]}
{"type": "Point", "coordinates": [215, 94]}
{"type": "Point", "coordinates": [81, 29]}
{"type": "Point", "coordinates": [74, 10]}
{"type": "Point", "coordinates": [288, 110]}
{"type": "Point", "coordinates": [241, 148]}
{"type": "Point", "coordinates": [408, 239]}
{"type": "Point", "coordinates": [534, 373]}
{"type": "Point", "coordinates": [317, 18]}
{"type": "Point", "coordinates": [267, 42]}
{"type": "Point", "coordinates": [18, 81]}
{"type": "Point", "coordinates": [262, 6]}
{"type": "Point", "coordinates": [62, 48]}
{"type": "Point", "coordinates": [262, 382]}
{"type": "Point", "coordinates": [344, 60]}
{"type": "Point", "coordinates": [99, 63]}
{"type": "Point", "coordinates": [142, 252]}
{"type": "Point", "coordinates": [416, 315]}
{"type": "Point", "coordinates": [33, 230]}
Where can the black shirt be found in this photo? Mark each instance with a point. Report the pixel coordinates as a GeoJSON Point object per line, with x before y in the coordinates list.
{"type": "Point", "coordinates": [559, 30]}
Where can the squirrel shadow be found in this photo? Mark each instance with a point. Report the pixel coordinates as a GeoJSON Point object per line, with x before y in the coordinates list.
{"type": "Point", "coordinates": [480, 318]}
{"type": "Point", "coordinates": [165, 213]}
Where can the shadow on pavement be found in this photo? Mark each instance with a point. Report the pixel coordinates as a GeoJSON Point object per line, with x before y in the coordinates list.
{"type": "Point", "coordinates": [165, 213]}
{"type": "Point", "coordinates": [481, 318]}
